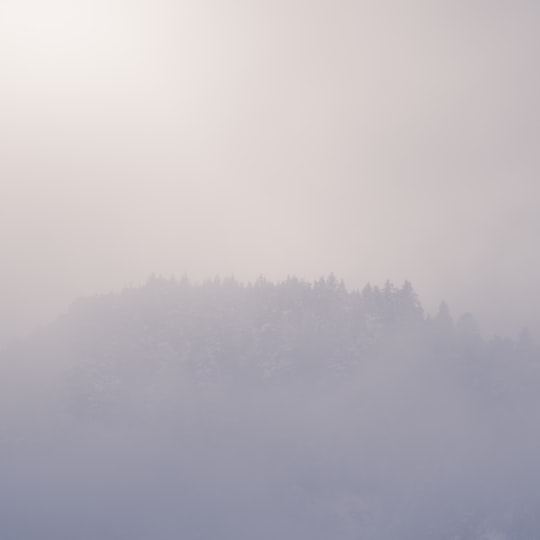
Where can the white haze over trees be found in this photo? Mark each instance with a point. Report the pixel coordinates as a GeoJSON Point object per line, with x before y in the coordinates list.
{"type": "Point", "coordinates": [288, 410]}
{"type": "Point", "coordinates": [377, 140]}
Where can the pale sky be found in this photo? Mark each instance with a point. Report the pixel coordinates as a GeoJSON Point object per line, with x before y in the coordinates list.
{"type": "Point", "coordinates": [376, 140]}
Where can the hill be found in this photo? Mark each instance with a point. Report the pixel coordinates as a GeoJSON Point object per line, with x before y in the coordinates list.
{"type": "Point", "coordinates": [268, 410]}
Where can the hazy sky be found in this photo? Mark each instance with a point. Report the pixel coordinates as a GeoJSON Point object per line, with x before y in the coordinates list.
{"type": "Point", "coordinates": [373, 139]}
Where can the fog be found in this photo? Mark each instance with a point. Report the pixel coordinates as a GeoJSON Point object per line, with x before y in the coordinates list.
{"type": "Point", "coordinates": [369, 142]}
{"type": "Point", "coordinates": [289, 410]}
{"type": "Point", "coordinates": [374, 140]}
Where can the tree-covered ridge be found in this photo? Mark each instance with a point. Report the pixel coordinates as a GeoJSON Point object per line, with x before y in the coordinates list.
{"type": "Point", "coordinates": [271, 327]}
{"type": "Point", "coordinates": [169, 332]}
{"type": "Point", "coordinates": [269, 410]}
{"type": "Point", "coordinates": [290, 322]}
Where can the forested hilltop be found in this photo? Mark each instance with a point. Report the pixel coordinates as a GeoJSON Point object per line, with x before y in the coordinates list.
{"type": "Point", "coordinates": [265, 410]}
{"type": "Point", "coordinates": [223, 328]}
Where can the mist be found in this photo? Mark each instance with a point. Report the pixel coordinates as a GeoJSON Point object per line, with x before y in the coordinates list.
{"type": "Point", "coordinates": [374, 141]}
{"type": "Point", "coordinates": [176, 177]}
{"type": "Point", "coordinates": [293, 409]}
